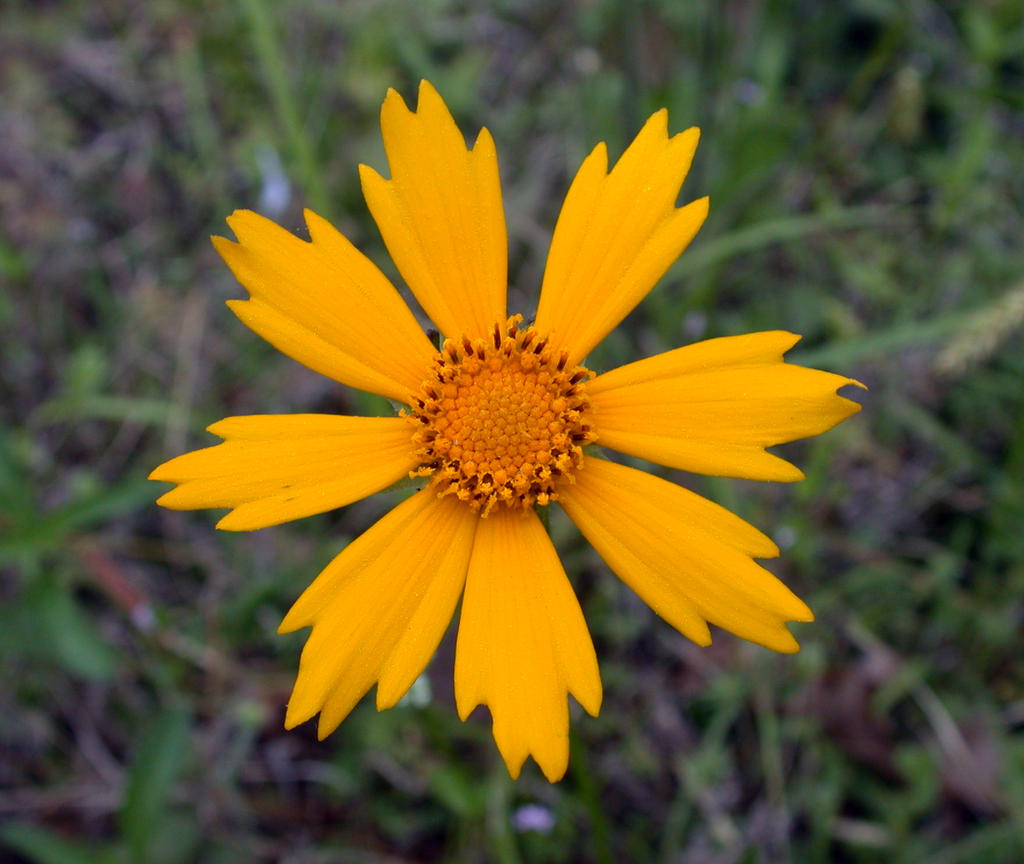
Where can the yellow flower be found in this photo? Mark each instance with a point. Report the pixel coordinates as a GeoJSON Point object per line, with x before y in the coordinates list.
{"type": "Point", "coordinates": [495, 425]}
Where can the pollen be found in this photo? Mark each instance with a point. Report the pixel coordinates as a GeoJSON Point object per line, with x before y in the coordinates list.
{"type": "Point", "coordinates": [501, 420]}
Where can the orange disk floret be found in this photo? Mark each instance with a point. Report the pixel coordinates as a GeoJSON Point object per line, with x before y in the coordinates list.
{"type": "Point", "coordinates": [502, 419]}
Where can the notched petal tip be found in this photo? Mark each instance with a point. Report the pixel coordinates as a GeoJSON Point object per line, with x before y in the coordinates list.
{"type": "Point", "coordinates": [683, 145]}
{"type": "Point", "coordinates": [484, 143]}
{"type": "Point", "coordinates": [787, 646]}
{"type": "Point", "coordinates": [292, 622]}
{"type": "Point", "coordinates": [225, 246]}
{"type": "Point", "coordinates": [851, 407]}
{"type": "Point", "coordinates": [551, 754]}
{"type": "Point", "coordinates": [300, 709]}
{"type": "Point", "coordinates": [393, 101]}
{"type": "Point", "coordinates": [315, 223]}
{"type": "Point", "coordinates": [701, 638]}
{"type": "Point", "coordinates": [590, 702]}
{"type": "Point", "coordinates": [553, 773]}
{"type": "Point", "coordinates": [324, 729]}
{"type": "Point", "coordinates": [699, 209]}
{"type": "Point", "coordinates": [787, 472]}
{"type": "Point", "coordinates": [388, 696]}
{"type": "Point", "coordinates": [240, 218]}
{"type": "Point", "coordinates": [428, 90]}
{"type": "Point", "coordinates": [806, 615]}
{"type": "Point", "coordinates": [464, 710]}
{"type": "Point", "coordinates": [234, 522]}
{"type": "Point", "coordinates": [167, 499]}
{"type": "Point", "coordinates": [369, 175]}
{"type": "Point", "coordinates": [239, 307]}
{"type": "Point", "coordinates": [657, 122]}
{"type": "Point", "coordinates": [219, 242]}
{"type": "Point", "coordinates": [777, 636]}
{"type": "Point", "coordinates": [782, 334]}
{"type": "Point", "coordinates": [514, 767]}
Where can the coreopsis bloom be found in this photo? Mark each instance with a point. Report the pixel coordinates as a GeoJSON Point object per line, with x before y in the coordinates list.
{"type": "Point", "coordinates": [496, 424]}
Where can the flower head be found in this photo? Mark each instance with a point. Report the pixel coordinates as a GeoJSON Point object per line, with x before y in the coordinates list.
{"type": "Point", "coordinates": [496, 424]}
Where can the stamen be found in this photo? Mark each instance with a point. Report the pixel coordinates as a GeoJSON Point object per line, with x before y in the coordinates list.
{"type": "Point", "coordinates": [501, 420]}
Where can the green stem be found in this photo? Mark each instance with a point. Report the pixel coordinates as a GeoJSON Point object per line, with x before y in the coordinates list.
{"type": "Point", "coordinates": [267, 47]}
{"type": "Point", "coordinates": [601, 829]}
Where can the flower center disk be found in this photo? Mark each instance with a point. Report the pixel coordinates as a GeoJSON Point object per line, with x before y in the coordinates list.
{"type": "Point", "coordinates": [501, 420]}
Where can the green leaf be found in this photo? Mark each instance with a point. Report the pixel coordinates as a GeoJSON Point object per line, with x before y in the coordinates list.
{"type": "Point", "coordinates": [47, 532]}
{"type": "Point", "coordinates": [69, 633]}
{"type": "Point", "coordinates": [881, 342]}
{"type": "Point", "coordinates": [784, 229]}
{"type": "Point", "coordinates": [39, 844]}
{"type": "Point", "coordinates": [71, 406]}
{"type": "Point", "coordinates": [457, 791]}
{"type": "Point", "coordinates": [158, 763]}
{"type": "Point", "coordinates": [13, 262]}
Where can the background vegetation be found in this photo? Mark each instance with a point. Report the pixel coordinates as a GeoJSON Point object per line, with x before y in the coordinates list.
{"type": "Point", "coordinates": [865, 162]}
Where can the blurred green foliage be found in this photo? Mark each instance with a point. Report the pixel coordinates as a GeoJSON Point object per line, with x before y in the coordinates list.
{"type": "Point", "coordinates": [864, 165]}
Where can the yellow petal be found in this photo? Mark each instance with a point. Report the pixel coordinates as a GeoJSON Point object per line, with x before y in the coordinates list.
{"type": "Point", "coordinates": [616, 236]}
{"type": "Point", "coordinates": [326, 305]}
{"type": "Point", "coordinates": [441, 214]}
{"type": "Point", "coordinates": [713, 407]}
{"type": "Point", "coordinates": [689, 559]}
{"type": "Point", "coordinates": [523, 644]}
{"type": "Point", "coordinates": [380, 608]}
{"type": "Point", "coordinates": [275, 468]}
